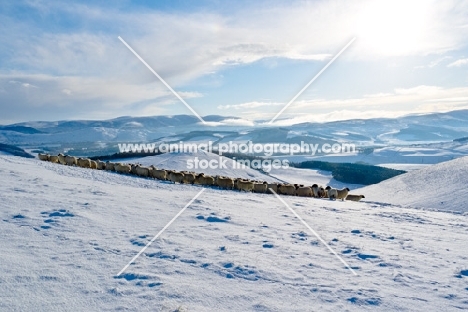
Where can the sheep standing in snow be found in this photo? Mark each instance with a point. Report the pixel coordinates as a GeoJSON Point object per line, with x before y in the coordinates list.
{"type": "Point", "coordinates": [203, 179]}
{"type": "Point", "coordinates": [61, 159]}
{"type": "Point", "coordinates": [122, 168]}
{"type": "Point", "coordinates": [70, 160]}
{"type": "Point", "coordinates": [142, 171]}
{"type": "Point", "coordinates": [315, 190]}
{"type": "Point", "coordinates": [354, 197]}
{"type": "Point", "coordinates": [53, 159]}
{"type": "Point", "coordinates": [109, 166]}
{"type": "Point", "coordinates": [287, 189]}
{"type": "Point", "coordinates": [337, 194]}
{"type": "Point", "coordinates": [189, 177]}
{"type": "Point", "coordinates": [100, 165]}
{"type": "Point", "coordinates": [176, 177]}
{"type": "Point", "coordinates": [272, 186]}
{"type": "Point", "coordinates": [260, 187]}
{"type": "Point", "coordinates": [323, 192]}
{"type": "Point", "coordinates": [244, 185]}
{"type": "Point", "coordinates": [159, 174]}
{"type": "Point", "coordinates": [93, 164]}
{"type": "Point", "coordinates": [84, 163]}
{"type": "Point", "coordinates": [304, 191]}
{"type": "Point", "coordinates": [44, 157]}
{"type": "Point", "coordinates": [225, 182]}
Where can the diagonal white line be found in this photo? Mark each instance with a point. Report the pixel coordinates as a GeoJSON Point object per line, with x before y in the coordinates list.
{"type": "Point", "coordinates": [310, 82]}
{"type": "Point", "coordinates": [160, 232]}
{"type": "Point", "coordinates": [313, 232]}
{"type": "Point", "coordinates": [162, 80]}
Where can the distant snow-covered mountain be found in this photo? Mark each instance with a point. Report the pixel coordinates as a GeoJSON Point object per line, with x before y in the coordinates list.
{"type": "Point", "coordinates": [445, 133]}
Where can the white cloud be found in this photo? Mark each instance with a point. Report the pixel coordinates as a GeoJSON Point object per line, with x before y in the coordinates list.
{"type": "Point", "coordinates": [82, 66]}
{"type": "Point", "coordinates": [459, 63]}
{"type": "Point", "coordinates": [403, 101]}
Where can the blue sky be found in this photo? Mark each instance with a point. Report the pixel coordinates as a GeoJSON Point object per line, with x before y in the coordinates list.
{"type": "Point", "coordinates": [64, 60]}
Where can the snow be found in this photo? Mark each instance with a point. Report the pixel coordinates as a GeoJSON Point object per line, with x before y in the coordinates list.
{"type": "Point", "coordinates": [441, 186]}
{"type": "Point", "coordinates": [66, 232]}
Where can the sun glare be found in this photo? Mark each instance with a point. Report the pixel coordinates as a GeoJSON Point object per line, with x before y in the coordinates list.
{"type": "Point", "coordinates": [393, 27]}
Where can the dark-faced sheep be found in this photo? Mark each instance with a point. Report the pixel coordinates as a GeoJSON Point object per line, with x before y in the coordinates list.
{"type": "Point", "coordinates": [355, 198]}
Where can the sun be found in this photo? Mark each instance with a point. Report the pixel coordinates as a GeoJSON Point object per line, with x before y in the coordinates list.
{"type": "Point", "coordinates": [393, 27]}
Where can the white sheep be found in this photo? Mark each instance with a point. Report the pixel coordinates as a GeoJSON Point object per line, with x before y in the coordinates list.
{"type": "Point", "coordinates": [70, 160]}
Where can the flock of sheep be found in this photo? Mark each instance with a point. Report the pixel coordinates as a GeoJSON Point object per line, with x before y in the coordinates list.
{"type": "Point", "coordinates": [202, 179]}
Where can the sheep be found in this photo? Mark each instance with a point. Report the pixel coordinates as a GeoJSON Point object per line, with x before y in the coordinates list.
{"type": "Point", "coordinates": [44, 157]}
{"type": "Point", "coordinates": [159, 174]}
{"type": "Point", "coordinates": [122, 168]}
{"type": "Point", "coordinates": [245, 185]}
{"type": "Point", "coordinates": [101, 165]}
{"type": "Point", "coordinates": [61, 159]}
{"type": "Point", "coordinates": [84, 163]}
{"type": "Point", "coordinates": [189, 177]}
{"type": "Point", "coordinates": [354, 197]}
{"type": "Point", "coordinates": [225, 182]}
{"type": "Point", "coordinates": [70, 160]}
{"type": "Point", "coordinates": [93, 164]}
{"type": "Point", "coordinates": [315, 190]}
{"type": "Point", "coordinates": [109, 166]}
{"type": "Point", "coordinates": [53, 159]}
{"type": "Point", "coordinates": [203, 179]}
{"type": "Point", "coordinates": [287, 189]}
{"type": "Point", "coordinates": [304, 191]}
{"type": "Point", "coordinates": [337, 194]}
{"type": "Point", "coordinates": [259, 187]}
{"type": "Point", "coordinates": [272, 186]}
{"type": "Point", "coordinates": [323, 192]}
{"type": "Point", "coordinates": [134, 168]}
{"type": "Point", "coordinates": [176, 177]}
{"type": "Point", "coordinates": [142, 171]}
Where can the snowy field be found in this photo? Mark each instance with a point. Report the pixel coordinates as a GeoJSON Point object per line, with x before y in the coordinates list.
{"type": "Point", "coordinates": [66, 232]}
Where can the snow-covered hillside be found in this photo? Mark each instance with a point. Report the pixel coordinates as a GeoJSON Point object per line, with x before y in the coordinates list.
{"type": "Point", "coordinates": [442, 186]}
{"type": "Point", "coordinates": [66, 232]}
